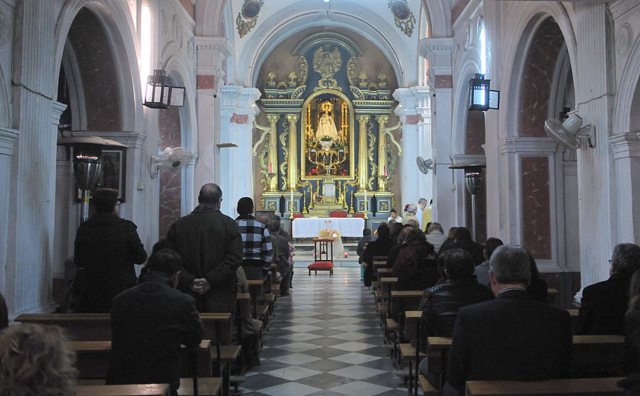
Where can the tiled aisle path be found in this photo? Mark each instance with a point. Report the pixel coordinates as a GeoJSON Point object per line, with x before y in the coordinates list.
{"type": "Point", "coordinates": [325, 340]}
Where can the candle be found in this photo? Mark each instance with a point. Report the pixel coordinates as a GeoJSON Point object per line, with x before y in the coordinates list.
{"type": "Point", "coordinates": [365, 201]}
{"type": "Point", "coordinates": [385, 170]}
{"type": "Point", "coordinates": [291, 200]}
{"type": "Point", "coordinates": [271, 167]}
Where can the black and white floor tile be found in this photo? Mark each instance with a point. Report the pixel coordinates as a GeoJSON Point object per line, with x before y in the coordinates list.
{"type": "Point", "coordinates": [325, 339]}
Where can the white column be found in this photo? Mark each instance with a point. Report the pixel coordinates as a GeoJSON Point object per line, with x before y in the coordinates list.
{"type": "Point", "coordinates": [237, 113]}
{"type": "Point", "coordinates": [425, 149]}
{"type": "Point", "coordinates": [597, 187]}
{"type": "Point", "coordinates": [211, 53]}
{"type": "Point", "coordinates": [31, 202]}
{"type": "Point", "coordinates": [8, 138]}
{"type": "Point", "coordinates": [626, 151]}
{"type": "Point", "coordinates": [408, 114]}
{"type": "Point", "coordinates": [438, 51]}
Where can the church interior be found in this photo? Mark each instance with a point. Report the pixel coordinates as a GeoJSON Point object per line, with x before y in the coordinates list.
{"type": "Point", "coordinates": [516, 119]}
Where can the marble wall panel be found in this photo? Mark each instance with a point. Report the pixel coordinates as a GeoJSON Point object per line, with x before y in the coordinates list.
{"type": "Point", "coordinates": [538, 78]}
{"type": "Point", "coordinates": [475, 132]}
{"type": "Point", "coordinates": [536, 209]}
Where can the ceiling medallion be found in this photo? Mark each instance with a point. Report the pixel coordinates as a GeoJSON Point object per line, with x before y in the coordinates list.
{"type": "Point", "coordinates": [248, 17]}
{"type": "Point", "coordinates": [403, 16]}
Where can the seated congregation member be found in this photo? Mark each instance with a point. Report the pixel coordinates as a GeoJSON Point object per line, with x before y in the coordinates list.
{"type": "Point", "coordinates": [282, 255]}
{"type": "Point", "coordinates": [4, 313]}
{"type": "Point", "coordinates": [367, 237]}
{"type": "Point", "coordinates": [482, 270]}
{"type": "Point", "coordinates": [632, 326]}
{"type": "Point", "coordinates": [35, 360]}
{"type": "Point", "coordinates": [440, 303]}
{"type": "Point", "coordinates": [537, 289]}
{"type": "Point", "coordinates": [106, 247]}
{"type": "Point", "coordinates": [435, 235]}
{"type": "Point", "coordinates": [257, 250]}
{"type": "Point", "coordinates": [417, 268]}
{"type": "Point", "coordinates": [379, 247]}
{"type": "Point", "coordinates": [448, 243]}
{"type": "Point", "coordinates": [511, 337]}
{"type": "Point", "coordinates": [400, 243]}
{"type": "Point", "coordinates": [415, 244]}
{"type": "Point", "coordinates": [604, 303]}
{"type": "Point", "coordinates": [149, 322]}
{"type": "Point", "coordinates": [463, 241]}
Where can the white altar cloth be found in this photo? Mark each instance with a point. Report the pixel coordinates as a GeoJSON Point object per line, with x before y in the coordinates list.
{"type": "Point", "coordinates": [309, 227]}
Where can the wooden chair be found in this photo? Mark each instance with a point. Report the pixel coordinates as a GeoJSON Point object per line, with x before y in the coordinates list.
{"type": "Point", "coordinates": [323, 253]}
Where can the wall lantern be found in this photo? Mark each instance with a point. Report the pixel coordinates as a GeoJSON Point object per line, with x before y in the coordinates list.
{"type": "Point", "coordinates": [87, 163]}
{"type": "Point", "coordinates": [481, 97]}
{"type": "Point", "coordinates": [160, 92]}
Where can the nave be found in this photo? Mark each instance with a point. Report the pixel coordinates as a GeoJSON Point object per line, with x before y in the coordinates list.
{"type": "Point", "coordinates": [325, 339]}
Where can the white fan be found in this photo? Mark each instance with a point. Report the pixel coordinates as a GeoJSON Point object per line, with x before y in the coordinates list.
{"type": "Point", "coordinates": [172, 158]}
{"type": "Point", "coordinates": [425, 164]}
{"type": "Point", "coordinates": [567, 132]}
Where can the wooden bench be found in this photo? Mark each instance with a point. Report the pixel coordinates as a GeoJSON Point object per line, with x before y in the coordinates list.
{"type": "Point", "coordinates": [120, 390]}
{"type": "Point", "coordinates": [592, 356]}
{"type": "Point", "coordinates": [574, 386]}
{"type": "Point", "coordinates": [79, 326]}
{"type": "Point", "coordinates": [210, 386]}
{"type": "Point", "coordinates": [92, 359]}
{"type": "Point", "coordinates": [218, 328]}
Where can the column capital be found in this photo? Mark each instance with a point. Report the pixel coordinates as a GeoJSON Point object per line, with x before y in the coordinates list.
{"type": "Point", "coordinates": [293, 117]}
{"type": "Point", "coordinates": [273, 117]}
{"type": "Point", "coordinates": [625, 145]}
{"type": "Point", "coordinates": [363, 118]}
{"type": "Point", "coordinates": [382, 119]}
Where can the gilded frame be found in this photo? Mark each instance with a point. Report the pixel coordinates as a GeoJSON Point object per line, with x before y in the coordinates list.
{"type": "Point", "coordinates": [306, 135]}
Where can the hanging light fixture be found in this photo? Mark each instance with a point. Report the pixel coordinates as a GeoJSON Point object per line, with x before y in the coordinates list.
{"type": "Point", "coordinates": [481, 97]}
{"type": "Point", "coordinates": [160, 92]}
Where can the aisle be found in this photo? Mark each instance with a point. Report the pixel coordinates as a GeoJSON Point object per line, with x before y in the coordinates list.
{"type": "Point", "coordinates": [325, 340]}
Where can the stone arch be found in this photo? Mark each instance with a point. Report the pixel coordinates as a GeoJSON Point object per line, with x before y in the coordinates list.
{"type": "Point", "coordinates": [628, 98]}
{"type": "Point", "coordinates": [256, 51]}
{"type": "Point", "coordinates": [439, 17]}
{"type": "Point", "coordinates": [119, 30]}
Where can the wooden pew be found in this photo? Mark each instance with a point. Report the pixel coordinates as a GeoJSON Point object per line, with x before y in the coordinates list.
{"type": "Point", "coordinates": [79, 326]}
{"type": "Point", "coordinates": [592, 356]}
{"type": "Point", "coordinates": [92, 359]}
{"type": "Point", "coordinates": [123, 390]}
{"type": "Point", "coordinates": [574, 386]}
{"type": "Point", "coordinates": [210, 386]}
{"type": "Point", "coordinates": [573, 313]}
{"type": "Point", "coordinates": [218, 328]}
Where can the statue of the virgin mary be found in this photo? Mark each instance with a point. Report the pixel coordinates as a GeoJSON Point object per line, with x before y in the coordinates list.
{"type": "Point", "coordinates": [326, 123]}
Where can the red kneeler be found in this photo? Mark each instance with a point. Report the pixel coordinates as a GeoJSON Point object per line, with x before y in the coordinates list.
{"type": "Point", "coordinates": [323, 252]}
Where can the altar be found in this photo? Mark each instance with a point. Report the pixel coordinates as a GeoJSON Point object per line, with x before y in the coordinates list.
{"type": "Point", "coordinates": [309, 227]}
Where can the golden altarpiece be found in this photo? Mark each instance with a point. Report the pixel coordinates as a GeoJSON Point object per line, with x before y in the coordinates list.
{"type": "Point", "coordinates": [326, 145]}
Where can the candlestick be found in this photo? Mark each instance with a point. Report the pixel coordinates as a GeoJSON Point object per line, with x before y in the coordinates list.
{"type": "Point", "coordinates": [291, 201]}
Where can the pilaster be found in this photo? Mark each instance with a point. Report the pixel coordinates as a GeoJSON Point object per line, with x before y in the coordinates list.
{"type": "Point", "coordinates": [626, 153]}
{"type": "Point", "coordinates": [237, 113]}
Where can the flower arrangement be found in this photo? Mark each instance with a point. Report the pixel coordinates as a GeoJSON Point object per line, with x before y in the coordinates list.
{"type": "Point", "coordinates": [326, 138]}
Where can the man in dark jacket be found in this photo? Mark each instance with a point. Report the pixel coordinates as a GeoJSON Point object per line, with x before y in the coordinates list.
{"type": "Point", "coordinates": [512, 337]}
{"type": "Point", "coordinates": [149, 323]}
{"type": "Point", "coordinates": [106, 247]}
{"type": "Point", "coordinates": [604, 303]}
{"type": "Point", "coordinates": [440, 303]}
{"type": "Point", "coordinates": [211, 249]}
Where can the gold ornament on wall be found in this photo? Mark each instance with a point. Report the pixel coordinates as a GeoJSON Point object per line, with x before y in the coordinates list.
{"type": "Point", "coordinates": [327, 63]}
{"type": "Point", "coordinates": [403, 16]}
{"type": "Point", "coordinates": [248, 16]}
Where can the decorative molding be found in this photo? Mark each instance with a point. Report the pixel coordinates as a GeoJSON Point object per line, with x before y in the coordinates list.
{"type": "Point", "coordinates": [625, 145]}
{"type": "Point", "coordinates": [327, 38]}
{"type": "Point", "coordinates": [7, 140]}
{"type": "Point", "coordinates": [520, 145]}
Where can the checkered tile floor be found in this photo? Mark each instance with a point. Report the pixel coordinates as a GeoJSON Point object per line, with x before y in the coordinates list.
{"type": "Point", "coordinates": [325, 339]}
